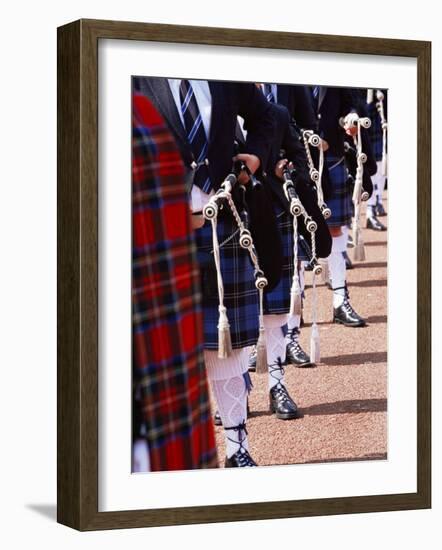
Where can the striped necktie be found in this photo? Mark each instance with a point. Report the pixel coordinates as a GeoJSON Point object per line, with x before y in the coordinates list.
{"type": "Point", "coordinates": [267, 89]}
{"type": "Point", "coordinates": [196, 134]}
{"type": "Point", "coordinates": [315, 96]}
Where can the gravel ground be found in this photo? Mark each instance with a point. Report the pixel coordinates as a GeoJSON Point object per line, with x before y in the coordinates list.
{"type": "Point", "coordinates": [343, 399]}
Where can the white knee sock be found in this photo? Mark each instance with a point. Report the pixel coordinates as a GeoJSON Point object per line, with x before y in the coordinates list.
{"type": "Point", "coordinates": [293, 321]}
{"type": "Point", "coordinates": [344, 237]}
{"type": "Point", "coordinates": [230, 391]}
{"type": "Point", "coordinates": [336, 265]}
{"type": "Point", "coordinates": [371, 203]}
{"type": "Point", "coordinates": [380, 181]}
{"type": "Point", "coordinates": [276, 348]}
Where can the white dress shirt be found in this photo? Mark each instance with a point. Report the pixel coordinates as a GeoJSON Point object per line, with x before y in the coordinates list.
{"type": "Point", "coordinates": [198, 198]}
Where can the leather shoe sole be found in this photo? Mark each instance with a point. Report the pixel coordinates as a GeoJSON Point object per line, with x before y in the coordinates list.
{"type": "Point", "coordinates": [306, 365]}
{"type": "Point", "coordinates": [356, 324]}
{"type": "Point", "coordinates": [284, 416]}
{"type": "Point", "coordinates": [375, 225]}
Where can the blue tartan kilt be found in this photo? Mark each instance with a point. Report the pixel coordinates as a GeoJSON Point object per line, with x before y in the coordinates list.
{"type": "Point", "coordinates": [278, 300]}
{"type": "Point", "coordinates": [240, 294]}
{"type": "Point", "coordinates": [340, 200]}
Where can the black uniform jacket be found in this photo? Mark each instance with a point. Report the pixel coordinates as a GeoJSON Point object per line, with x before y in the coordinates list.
{"type": "Point", "coordinates": [229, 99]}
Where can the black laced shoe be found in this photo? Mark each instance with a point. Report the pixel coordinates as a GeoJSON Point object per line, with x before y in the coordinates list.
{"type": "Point", "coordinates": [282, 404]}
{"type": "Point", "coordinates": [346, 315]}
{"type": "Point", "coordinates": [252, 360]}
{"type": "Point", "coordinates": [241, 459]}
{"type": "Point", "coordinates": [295, 355]}
{"type": "Point", "coordinates": [375, 224]}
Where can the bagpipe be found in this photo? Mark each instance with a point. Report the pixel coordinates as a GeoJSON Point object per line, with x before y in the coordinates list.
{"type": "Point", "coordinates": [384, 126]}
{"type": "Point", "coordinates": [351, 161]}
{"type": "Point", "coordinates": [250, 203]}
{"type": "Point", "coordinates": [299, 212]}
{"type": "Point", "coordinates": [359, 194]}
{"type": "Point", "coordinates": [312, 146]}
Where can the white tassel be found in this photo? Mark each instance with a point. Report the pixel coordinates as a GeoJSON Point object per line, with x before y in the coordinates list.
{"type": "Point", "coordinates": [261, 353]}
{"type": "Point", "coordinates": [295, 291]}
{"type": "Point", "coordinates": [295, 301]}
{"type": "Point", "coordinates": [261, 348]}
{"type": "Point", "coordinates": [359, 248]}
{"type": "Point", "coordinates": [224, 339]}
{"type": "Point", "coordinates": [359, 252]}
{"type": "Point", "coordinates": [325, 271]}
{"type": "Point", "coordinates": [315, 346]}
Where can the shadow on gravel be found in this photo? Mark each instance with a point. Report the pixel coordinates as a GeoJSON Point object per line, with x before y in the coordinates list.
{"type": "Point", "coordinates": [370, 320]}
{"type": "Point", "coordinates": [345, 407]}
{"type": "Point", "coordinates": [356, 359]}
{"type": "Point", "coordinates": [371, 265]}
{"type": "Point", "coordinates": [376, 319]}
{"type": "Point", "coordinates": [369, 283]}
{"type": "Point", "coordinates": [375, 243]}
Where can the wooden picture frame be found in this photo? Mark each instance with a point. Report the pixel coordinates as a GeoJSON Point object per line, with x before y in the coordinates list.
{"type": "Point", "coordinates": [78, 274]}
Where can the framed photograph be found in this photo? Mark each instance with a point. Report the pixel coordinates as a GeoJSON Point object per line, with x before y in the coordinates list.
{"type": "Point", "coordinates": [187, 162]}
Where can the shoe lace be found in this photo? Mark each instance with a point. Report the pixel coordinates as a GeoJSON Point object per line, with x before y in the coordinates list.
{"type": "Point", "coordinates": [293, 336]}
{"type": "Point", "coordinates": [281, 392]}
{"type": "Point", "coordinates": [276, 367]}
{"type": "Point", "coordinates": [244, 459]}
{"type": "Point", "coordinates": [242, 435]}
{"type": "Point", "coordinates": [279, 389]}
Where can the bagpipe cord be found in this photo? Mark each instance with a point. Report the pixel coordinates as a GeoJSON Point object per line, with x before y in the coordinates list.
{"type": "Point", "coordinates": [295, 291]}
{"type": "Point", "coordinates": [315, 347]}
{"type": "Point", "coordinates": [224, 342]}
{"type": "Point", "coordinates": [384, 136]}
{"type": "Point", "coordinates": [224, 338]}
{"type": "Point", "coordinates": [359, 250]}
{"type": "Point", "coordinates": [319, 183]}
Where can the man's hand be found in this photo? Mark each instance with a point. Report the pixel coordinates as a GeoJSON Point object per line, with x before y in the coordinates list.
{"type": "Point", "coordinates": [252, 162]}
{"type": "Point", "coordinates": [279, 168]}
{"type": "Point", "coordinates": [196, 221]}
{"type": "Point", "coordinates": [351, 130]}
{"type": "Point", "coordinates": [324, 145]}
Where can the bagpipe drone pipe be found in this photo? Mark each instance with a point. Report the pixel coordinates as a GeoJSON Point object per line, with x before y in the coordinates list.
{"type": "Point", "coordinates": [306, 192]}
{"type": "Point", "coordinates": [255, 209]}
{"type": "Point", "coordinates": [311, 143]}
{"type": "Point", "coordinates": [255, 218]}
{"type": "Point", "coordinates": [351, 162]}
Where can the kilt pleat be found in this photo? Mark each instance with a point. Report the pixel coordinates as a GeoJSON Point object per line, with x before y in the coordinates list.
{"type": "Point", "coordinates": [278, 300]}
{"type": "Point", "coordinates": [340, 201]}
{"type": "Point", "coordinates": [240, 294]}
